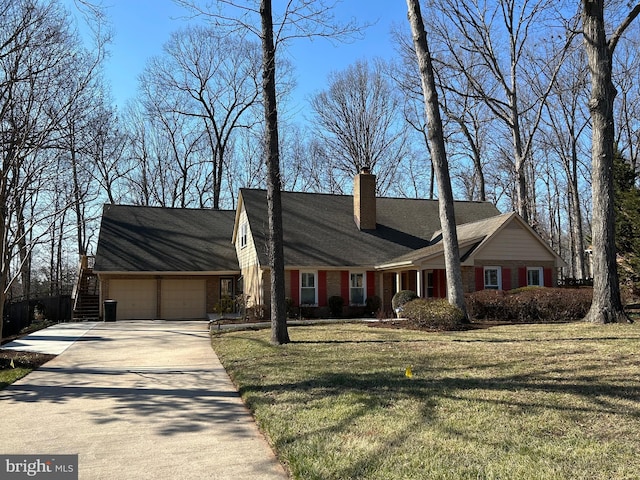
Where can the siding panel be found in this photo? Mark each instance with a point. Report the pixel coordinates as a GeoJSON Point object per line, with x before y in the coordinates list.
{"type": "Point", "coordinates": [515, 244]}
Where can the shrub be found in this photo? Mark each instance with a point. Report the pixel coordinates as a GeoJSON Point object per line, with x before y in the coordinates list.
{"type": "Point", "coordinates": [433, 313]}
{"type": "Point", "coordinates": [225, 305]}
{"type": "Point", "coordinates": [373, 304]}
{"type": "Point", "coordinates": [402, 297]}
{"type": "Point", "coordinates": [531, 304]}
{"type": "Point", "coordinates": [336, 303]}
{"type": "Point", "coordinates": [258, 313]}
{"type": "Point", "coordinates": [291, 307]}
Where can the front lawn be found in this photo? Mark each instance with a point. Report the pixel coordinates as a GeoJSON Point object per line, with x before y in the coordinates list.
{"type": "Point", "coordinates": [509, 402]}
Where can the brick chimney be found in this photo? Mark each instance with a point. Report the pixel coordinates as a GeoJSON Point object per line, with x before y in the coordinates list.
{"type": "Point", "coordinates": [364, 200]}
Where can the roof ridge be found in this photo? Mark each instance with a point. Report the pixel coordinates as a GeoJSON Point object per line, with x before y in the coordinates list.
{"type": "Point", "coordinates": [160, 207]}
{"type": "Point", "coordinates": [377, 197]}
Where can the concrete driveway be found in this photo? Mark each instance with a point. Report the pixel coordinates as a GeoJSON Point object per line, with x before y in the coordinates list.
{"type": "Point", "coordinates": [137, 400]}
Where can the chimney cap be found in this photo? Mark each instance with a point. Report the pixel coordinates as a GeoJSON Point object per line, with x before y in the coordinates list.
{"type": "Point", "coordinates": [365, 169]}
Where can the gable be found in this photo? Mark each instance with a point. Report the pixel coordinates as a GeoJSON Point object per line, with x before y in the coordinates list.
{"type": "Point", "coordinates": [514, 242]}
{"type": "Point", "coordinates": [243, 239]}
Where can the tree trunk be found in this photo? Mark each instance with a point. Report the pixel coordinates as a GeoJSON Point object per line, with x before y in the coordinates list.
{"type": "Point", "coordinates": [279, 332]}
{"type": "Point", "coordinates": [577, 235]}
{"type": "Point", "coordinates": [607, 305]}
{"type": "Point", "coordinates": [455, 292]}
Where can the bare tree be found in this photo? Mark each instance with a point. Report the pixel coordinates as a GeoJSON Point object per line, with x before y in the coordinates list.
{"type": "Point", "coordinates": [360, 124]}
{"type": "Point", "coordinates": [300, 19]}
{"type": "Point", "coordinates": [496, 61]}
{"type": "Point", "coordinates": [39, 58]}
{"type": "Point", "coordinates": [211, 76]}
{"type": "Point", "coordinates": [607, 305]}
{"type": "Point", "coordinates": [627, 115]}
{"type": "Point", "coordinates": [567, 121]}
{"type": "Point", "coordinates": [455, 292]}
{"type": "Point", "coordinates": [465, 118]}
{"type": "Point", "coordinates": [105, 150]}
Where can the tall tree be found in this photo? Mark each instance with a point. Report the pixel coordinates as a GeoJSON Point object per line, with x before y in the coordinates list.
{"type": "Point", "coordinates": [300, 19]}
{"type": "Point", "coordinates": [455, 292]}
{"type": "Point", "coordinates": [465, 119]}
{"type": "Point", "coordinates": [210, 77]}
{"type": "Point", "coordinates": [40, 61]}
{"type": "Point", "coordinates": [566, 121]}
{"type": "Point", "coordinates": [607, 305]}
{"type": "Point", "coordinates": [498, 65]}
{"type": "Point", "coordinates": [279, 332]}
{"type": "Point", "coordinates": [360, 124]}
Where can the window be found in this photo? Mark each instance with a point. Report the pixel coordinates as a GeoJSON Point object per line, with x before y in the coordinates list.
{"type": "Point", "coordinates": [243, 235]}
{"type": "Point", "coordinates": [535, 277]}
{"type": "Point", "coordinates": [226, 287]}
{"type": "Point", "coordinates": [308, 290]}
{"type": "Point", "coordinates": [356, 290]}
{"type": "Point", "coordinates": [492, 278]}
{"type": "Point", "coordinates": [429, 284]}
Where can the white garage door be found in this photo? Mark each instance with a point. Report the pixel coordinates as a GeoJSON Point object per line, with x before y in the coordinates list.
{"type": "Point", "coordinates": [183, 299]}
{"type": "Point", "coordinates": [137, 299]}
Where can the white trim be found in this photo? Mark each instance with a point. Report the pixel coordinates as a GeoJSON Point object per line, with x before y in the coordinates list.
{"type": "Point", "coordinates": [540, 271]}
{"type": "Point", "coordinates": [364, 287]}
{"type": "Point", "coordinates": [499, 270]}
{"type": "Point", "coordinates": [315, 286]}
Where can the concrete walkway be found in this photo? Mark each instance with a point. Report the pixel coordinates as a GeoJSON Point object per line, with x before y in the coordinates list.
{"type": "Point", "coordinates": [53, 340]}
{"type": "Point", "coordinates": [135, 400]}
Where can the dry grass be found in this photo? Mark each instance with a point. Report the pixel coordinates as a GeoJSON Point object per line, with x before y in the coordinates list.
{"type": "Point", "coordinates": [510, 402]}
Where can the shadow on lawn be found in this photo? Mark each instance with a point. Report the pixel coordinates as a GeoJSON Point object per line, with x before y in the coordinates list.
{"type": "Point", "coordinates": [372, 393]}
{"type": "Point", "coordinates": [377, 387]}
{"type": "Point", "coordinates": [381, 391]}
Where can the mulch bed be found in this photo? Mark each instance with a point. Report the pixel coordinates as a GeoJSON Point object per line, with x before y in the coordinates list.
{"type": "Point", "coordinates": [20, 359]}
{"type": "Point", "coordinates": [30, 360]}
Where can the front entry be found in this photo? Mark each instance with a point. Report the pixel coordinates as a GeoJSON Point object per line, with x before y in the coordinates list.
{"type": "Point", "coordinates": [227, 294]}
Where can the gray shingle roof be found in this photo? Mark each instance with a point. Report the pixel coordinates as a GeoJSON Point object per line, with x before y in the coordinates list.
{"type": "Point", "coordinates": [154, 239]}
{"type": "Point", "coordinates": [470, 234]}
{"type": "Point", "coordinates": [319, 229]}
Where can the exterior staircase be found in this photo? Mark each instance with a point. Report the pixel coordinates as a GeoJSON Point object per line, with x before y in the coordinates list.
{"type": "Point", "coordinates": [86, 294]}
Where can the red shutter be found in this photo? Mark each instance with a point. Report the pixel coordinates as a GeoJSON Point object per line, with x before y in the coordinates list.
{"type": "Point", "coordinates": [479, 278]}
{"type": "Point", "coordinates": [322, 288]}
{"type": "Point", "coordinates": [441, 283]}
{"type": "Point", "coordinates": [295, 287]}
{"type": "Point", "coordinates": [548, 277]}
{"type": "Point", "coordinates": [506, 279]}
{"type": "Point", "coordinates": [344, 286]}
{"type": "Point", "coordinates": [522, 277]}
{"type": "Point", "coordinates": [371, 284]}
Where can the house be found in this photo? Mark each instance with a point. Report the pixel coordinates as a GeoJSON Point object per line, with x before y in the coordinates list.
{"type": "Point", "coordinates": [177, 263]}
{"type": "Point", "coordinates": [165, 263]}
{"type": "Point", "coordinates": [361, 246]}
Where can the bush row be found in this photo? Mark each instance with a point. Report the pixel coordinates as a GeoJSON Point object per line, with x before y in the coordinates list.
{"type": "Point", "coordinates": [526, 305]}
{"type": "Point", "coordinates": [530, 304]}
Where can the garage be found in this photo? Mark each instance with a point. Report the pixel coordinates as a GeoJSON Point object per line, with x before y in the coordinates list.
{"type": "Point", "coordinates": [183, 299]}
{"type": "Point", "coordinates": [137, 299]}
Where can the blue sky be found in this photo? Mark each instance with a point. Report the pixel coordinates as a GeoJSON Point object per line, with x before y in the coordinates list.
{"type": "Point", "coordinates": [141, 27]}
